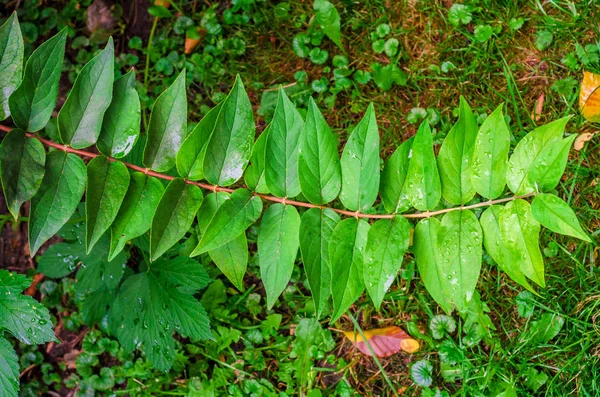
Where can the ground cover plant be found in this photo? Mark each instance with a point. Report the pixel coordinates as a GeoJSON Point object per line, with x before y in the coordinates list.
{"type": "Point", "coordinates": [228, 257]}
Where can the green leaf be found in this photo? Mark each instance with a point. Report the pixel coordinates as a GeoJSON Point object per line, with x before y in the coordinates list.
{"type": "Point", "coordinates": [80, 118]}
{"type": "Point", "coordinates": [57, 198]}
{"type": "Point", "coordinates": [422, 372]}
{"type": "Point", "coordinates": [174, 216]}
{"type": "Point", "coordinates": [387, 243]}
{"type": "Point", "coordinates": [22, 316]}
{"type": "Point", "coordinates": [107, 183]}
{"type": "Point", "coordinates": [441, 326]}
{"type": "Point", "coordinates": [329, 20]}
{"type": "Point", "coordinates": [22, 163]}
{"type": "Point", "coordinates": [190, 157]}
{"type": "Point", "coordinates": [182, 271]}
{"type": "Point", "coordinates": [346, 249]}
{"type": "Point", "coordinates": [549, 166]}
{"type": "Point", "coordinates": [60, 259]}
{"type": "Point", "coordinates": [167, 127]}
{"type": "Point", "coordinates": [495, 246]}
{"type": "Point", "coordinates": [519, 230]}
{"type": "Point", "coordinates": [121, 123]}
{"type": "Point", "coordinates": [9, 369]}
{"type": "Point", "coordinates": [315, 234]}
{"type": "Point", "coordinates": [278, 240]}
{"type": "Point", "coordinates": [393, 176]}
{"type": "Point", "coordinates": [32, 103]}
{"type": "Point", "coordinates": [422, 184]}
{"type": "Point", "coordinates": [526, 153]}
{"type": "Point", "coordinates": [556, 215]}
{"type": "Point", "coordinates": [230, 145]}
{"type": "Point", "coordinates": [425, 248]}
{"type": "Point", "coordinates": [490, 157]}
{"type": "Point", "coordinates": [255, 173]}
{"type": "Point", "coordinates": [11, 61]}
{"type": "Point", "coordinates": [318, 163]}
{"type": "Point", "coordinates": [13, 281]}
{"type": "Point", "coordinates": [360, 164]}
{"type": "Point", "coordinates": [455, 156]}
{"type": "Point", "coordinates": [543, 330]}
{"type": "Point", "coordinates": [135, 214]}
{"type": "Point", "coordinates": [231, 258]}
{"type": "Point", "coordinates": [232, 218]}
{"type": "Point", "coordinates": [283, 148]}
{"type": "Point", "coordinates": [459, 256]}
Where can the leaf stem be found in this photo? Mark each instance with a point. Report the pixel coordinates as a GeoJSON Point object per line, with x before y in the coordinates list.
{"type": "Point", "coordinates": [214, 188]}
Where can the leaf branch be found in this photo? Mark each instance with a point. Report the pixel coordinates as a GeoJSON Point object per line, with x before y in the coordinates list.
{"type": "Point", "coordinates": [215, 188]}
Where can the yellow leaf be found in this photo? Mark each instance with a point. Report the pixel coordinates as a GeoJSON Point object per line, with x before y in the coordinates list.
{"type": "Point", "coordinates": [589, 97]}
{"type": "Point", "coordinates": [384, 341]}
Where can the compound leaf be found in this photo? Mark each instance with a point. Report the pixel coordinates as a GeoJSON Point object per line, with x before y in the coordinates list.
{"type": "Point", "coordinates": [360, 164]}
{"type": "Point", "coordinates": [346, 249]}
{"type": "Point", "coordinates": [32, 103]}
{"type": "Point", "coordinates": [319, 163]}
{"type": "Point", "coordinates": [11, 61]}
{"type": "Point", "coordinates": [278, 241]}
{"type": "Point", "coordinates": [549, 166]}
{"type": "Point", "coordinates": [423, 186]}
{"type": "Point", "coordinates": [58, 197]}
{"type": "Point", "coordinates": [167, 127]}
{"type": "Point", "coordinates": [135, 214]}
{"type": "Point", "coordinates": [174, 216]}
{"type": "Point", "coordinates": [121, 124]}
{"type": "Point", "coordinates": [283, 148]}
{"type": "Point", "coordinates": [490, 157]}
{"type": "Point", "coordinates": [22, 163]}
{"type": "Point", "coordinates": [315, 234]}
{"type": "Point", "coordinates": [386, 244]}
{"type": "Point", "coordinates": [80, 118]}
{"type": "Point", "coordinates": [393, 176]}
{"type": "Point", "coordinates": [255, 173]}
{"type": "Point", "coordinates": [556, 215]}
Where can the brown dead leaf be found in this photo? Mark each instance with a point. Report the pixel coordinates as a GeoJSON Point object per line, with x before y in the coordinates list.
{"type": "Point", "coordinates": [582, 139]}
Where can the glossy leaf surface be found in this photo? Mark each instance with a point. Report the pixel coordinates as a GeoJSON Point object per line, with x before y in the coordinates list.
{"type": "Point", "coordinates": [11, 61]}
{"type": "Point", "coordinates": [423, 186]}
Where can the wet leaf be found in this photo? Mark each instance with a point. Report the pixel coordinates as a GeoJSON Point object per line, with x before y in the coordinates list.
{"type": "Point", "coordinates": [383, 341]}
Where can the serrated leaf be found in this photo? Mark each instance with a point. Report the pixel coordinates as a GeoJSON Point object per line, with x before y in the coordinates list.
{"type": "Point", "coordinates": [520, 231]}
{"type": "Point", "coordinates": [9, 369]}
{"type": "Point", "coordinates": [22, 163]}
{"type": "Point", "coordinates": [422, 185]}
{"type": "Point", "coordinates": [425, 248]}
{"type": "Point", "coordinates": [57, 198]}
{"type": "Point", "coordinates": [24, 317]}
{"type": "Point", "coordinates": [174, 216]}
{"type": "Point", "coordinates": [121, 123]}
{"type": "Point", "coordinates": [32, 103]}
{"type": "Point", "coordinates": [190, 157]}
{"type": "Point", "coordinates": [549, 166]}
{"type": "Point", "coordinates": [455, 157]}
{"type": "Point", "coordinates": [135, 214]}
{"type": "Point", "coordinates": [346, 255]}
{"type": "Point", "coordinates": [387, 243]}
{"type": "Point", "coordinates": [527, 152]}
{"type": "Point", "coordinates": [107, 183]}
{"type": "Point", "coordinates": [360, 164]}
{"type": "Point", "coordinates": [188, 316]}
{"type": "Point", "coordinates": [318, 164]}
{"type": "Point", "coordinates": [11, 61]}
{"type": "Point", "coordinates": [329, 20]}
{"type": "Point", "coordinates": [185, 272]}
{"type": "Point", "coordinates": [231, 258]}
{"type": "Point", "coordinates": [278, 241]}
{"type": "Point", "coordinates": [459, 256]}
{"type": "Point", "coordinates": [490, 156]}
{"type": "Point", "coordinates": [283, 148]}
{"type": "Point", "coordinates": [232, 218]}
{"type": "Point", "coordinates": [315, 234]}
{"type": "Point", "coordinates": [231, 142]}
{"type": "Point", "coordinates": [255, 173]}
{"type": "Point", "coordinates": [495, 246]}
{"type": "Point", "coordinates": [14, 281]}
{"type": "Point", "coordinates": [393, 176]}
{"type": "Point", "coordinates": [167, 127]}
{"type": "Point", "coordinates": [556, 215]}
{"type": "Point", "coordinates": [422, 371]}
{"type": "Point", "coordinates": [80, 118]}
{"type": "Point", "coordinates": [60, 259]}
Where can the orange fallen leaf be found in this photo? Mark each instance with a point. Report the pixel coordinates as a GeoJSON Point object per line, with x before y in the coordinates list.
{"type": "Point", "coordinates": [164, 3]}
{"type": "Point", "coordinates": [191, 43]}
{"type": "Point", "coordinates": [589, 97]}
{"type": "Point", "coordinates": [384, 341]}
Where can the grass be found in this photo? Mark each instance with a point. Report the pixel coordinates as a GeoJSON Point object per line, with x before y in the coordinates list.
{"type": "Point", "coordinates": [509, 67]}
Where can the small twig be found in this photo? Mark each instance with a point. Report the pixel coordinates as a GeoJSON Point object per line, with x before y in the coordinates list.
{"type": "Point", "coordinates": [214, 188]}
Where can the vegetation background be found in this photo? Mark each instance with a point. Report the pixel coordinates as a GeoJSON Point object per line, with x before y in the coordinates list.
{"type": "Point", "coordinates": [413, 59]}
